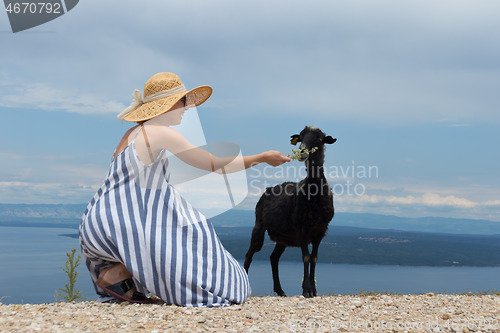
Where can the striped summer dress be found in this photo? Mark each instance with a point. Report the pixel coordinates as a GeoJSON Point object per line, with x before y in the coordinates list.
{"type": "Point", "coordinates": [137, 218]}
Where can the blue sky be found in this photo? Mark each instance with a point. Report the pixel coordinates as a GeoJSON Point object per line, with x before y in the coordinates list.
{"type": "Point", "coordinates": [408, 87]}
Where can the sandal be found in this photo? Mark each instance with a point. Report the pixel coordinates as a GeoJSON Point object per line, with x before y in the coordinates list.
{"type": "Point", "coordinates": [119, 289]}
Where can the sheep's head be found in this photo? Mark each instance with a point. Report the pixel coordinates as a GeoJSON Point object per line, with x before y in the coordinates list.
{"type": "Point", "coordinates": [312, 142]}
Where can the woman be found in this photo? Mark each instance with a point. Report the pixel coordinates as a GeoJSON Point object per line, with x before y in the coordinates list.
{"type": "Point", "coordinates": [138, 235]}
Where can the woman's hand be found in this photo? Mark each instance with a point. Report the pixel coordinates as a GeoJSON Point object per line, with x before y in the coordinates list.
{"type": "Point", "coordinates": [275, 158]}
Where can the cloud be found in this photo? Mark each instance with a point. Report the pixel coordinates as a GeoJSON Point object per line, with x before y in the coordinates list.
{"type": "Point", "coordinates": [368, 61]}
{"type": "Point", "coordinates": [45, 178]}
{"type": "Point", "coordinates": [427, 199]}
{"type": "Point", "coordinates": [48, 192]}
{"type": "Point", "coordinates": [426, 204]}
{"type": "Point", "coordinates": [370, 194]}
{"type": "Point", "coordinates": [46, 97]}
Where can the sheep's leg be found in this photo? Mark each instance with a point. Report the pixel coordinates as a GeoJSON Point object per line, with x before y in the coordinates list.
{"type": "Point", "coordinates": [314, 259]}
{"type": "Point", "coordinates": [306, 283]}
{"type": "Point", "coordinates": [275, 257]}
{"type": "Point", "coordinates": [258, 234]}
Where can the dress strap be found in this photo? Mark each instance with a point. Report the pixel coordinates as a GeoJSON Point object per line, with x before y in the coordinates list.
{"type": "Point", "coordinates": [212, 162]}
{"type": "Point", "coordinates": [143, 129]}
{"type": "Point", "coordinates": [139, 131]}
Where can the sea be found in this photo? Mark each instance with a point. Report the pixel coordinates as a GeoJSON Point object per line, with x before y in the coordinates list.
{"type": "Point", "coordinates": [31, 261]}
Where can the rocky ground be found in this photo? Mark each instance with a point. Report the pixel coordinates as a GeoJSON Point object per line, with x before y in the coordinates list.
{"type": "Point", "coordinates": [379, 313]}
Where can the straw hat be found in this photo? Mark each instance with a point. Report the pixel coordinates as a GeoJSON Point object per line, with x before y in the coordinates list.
{"type": "Point", "coordinates": [161, 92]}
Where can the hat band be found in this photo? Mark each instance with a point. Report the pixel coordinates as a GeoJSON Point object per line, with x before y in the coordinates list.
{"type": "Point", "coordinates": [164, 93]}
{"type": "Point", "coordinates": [138, 101]}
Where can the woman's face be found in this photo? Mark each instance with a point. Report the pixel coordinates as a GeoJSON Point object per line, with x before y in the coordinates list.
{"type": "Point", "coordinates": [174, 116]}
{"type": "Point", "coordinates": [179, 108]}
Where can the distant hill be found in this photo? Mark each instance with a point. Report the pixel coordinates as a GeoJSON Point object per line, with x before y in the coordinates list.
{"type": "Point", "coordinates": [348, 245]}
{"type": "Point", "coordinates": [366, 239]}
{"type": "Point", "coordinates": [27, 215]}
{"type": "Point", "coordinates": [375, 221]}
{"type": "Point", "coordinates": [43, 215]}
{"type": "Point", "coordinates": [422, 224]}
{"type": "Point", "coordinates": [44, 211]}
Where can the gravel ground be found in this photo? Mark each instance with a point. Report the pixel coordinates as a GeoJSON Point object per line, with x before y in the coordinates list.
{"type": "Point", "coordinates": [380, 313]}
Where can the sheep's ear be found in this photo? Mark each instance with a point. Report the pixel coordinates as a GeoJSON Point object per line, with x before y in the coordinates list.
{"type": "Point", "coordinates": [329, 140]}
{"type": "Point", "coordinates": [295, 139]}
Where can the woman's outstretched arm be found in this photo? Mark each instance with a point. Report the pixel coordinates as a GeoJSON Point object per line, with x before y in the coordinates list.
{"type": "Point", "coordinates": [174, 142]}
{"type": "Point", "coordinates": [272, 157]}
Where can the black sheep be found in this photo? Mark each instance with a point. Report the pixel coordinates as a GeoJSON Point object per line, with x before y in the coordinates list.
{"type": "Point", "coordinates": [296, 214]}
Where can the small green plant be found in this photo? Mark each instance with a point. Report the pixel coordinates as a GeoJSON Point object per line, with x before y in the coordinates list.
{"type": "Point", "coordinates": [69, 294]}
{"type": "Point", "coordinates": [295, 155]}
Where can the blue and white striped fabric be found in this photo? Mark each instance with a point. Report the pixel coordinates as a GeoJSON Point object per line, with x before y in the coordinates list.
{"type": "Point", "coordinates": [139, 219]}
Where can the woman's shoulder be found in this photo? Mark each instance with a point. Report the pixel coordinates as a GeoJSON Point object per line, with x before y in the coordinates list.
{"type": "Point", "coordinates": [167, 138]}
{"type": "Point", "coordinates": [164, 132]}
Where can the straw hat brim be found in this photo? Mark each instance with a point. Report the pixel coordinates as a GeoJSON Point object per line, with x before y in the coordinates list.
{"type": "Point", "coordinates": [148, 110]}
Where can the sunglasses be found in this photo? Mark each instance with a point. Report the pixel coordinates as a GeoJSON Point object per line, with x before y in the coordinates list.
{"type": "Point", "coordinates": [184, 101]}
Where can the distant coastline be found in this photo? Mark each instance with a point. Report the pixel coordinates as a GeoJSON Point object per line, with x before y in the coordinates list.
{"type": "Point", "coordinates": [362, 246]}
{"type": "Point", "coordinates": [353, 238]}
{"type": "Point", "coordinates": [42, 251]}
{"type": "Point", "coordinates": [70, 214]}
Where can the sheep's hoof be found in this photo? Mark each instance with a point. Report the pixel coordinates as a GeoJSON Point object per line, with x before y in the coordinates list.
{"type": "Point", "coordinates": [281, 293]}
{"type": "Point", "coordinates": [308, 294]}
